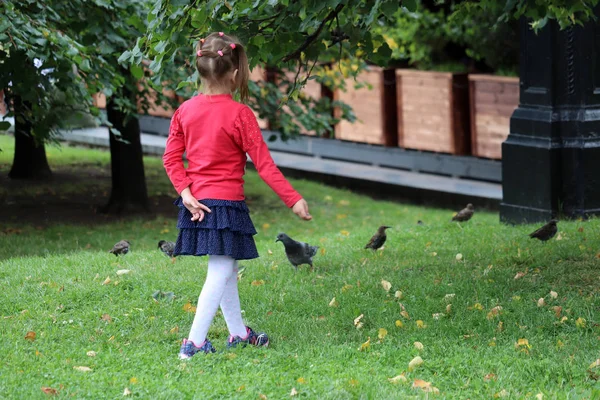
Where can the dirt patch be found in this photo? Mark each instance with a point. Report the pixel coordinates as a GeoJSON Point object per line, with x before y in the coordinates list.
{"type": "Point", "coordinates": [73, 196]}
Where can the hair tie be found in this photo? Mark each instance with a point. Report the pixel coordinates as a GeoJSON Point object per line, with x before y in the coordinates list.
{"type": "Point", "coordinates": [199, 53]}
{"type": "Point", "coordinates": [232, 45]}
{"type": "Point", "coordinates": [220, 53]}
{"type": "Point", "coordinates": [202, 41]}
{"type": "Point", "coordinates": [221, 34]}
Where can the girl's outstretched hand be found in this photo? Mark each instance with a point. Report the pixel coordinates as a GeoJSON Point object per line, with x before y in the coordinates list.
{"type": "Point", "coordinates": [301, 210]}
{"type": "Point", "coordinates": [193, 205]}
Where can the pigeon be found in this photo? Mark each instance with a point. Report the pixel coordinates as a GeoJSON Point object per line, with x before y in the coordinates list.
{"type": "Point", "coordinates": [465, 214]}
{"type": "Point", "coordinates": [378, 238]}
{"type": "Point", "coordinates": [546, 232]}
{"type": "Point", "coordinates": [121, 247]}
{"type": "Point", "coordinates": [166, 247]}
{"type": "Point", "coordinates": [298, 253]}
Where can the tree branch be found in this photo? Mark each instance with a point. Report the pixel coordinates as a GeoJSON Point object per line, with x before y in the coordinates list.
{"type": "Point", "coordinates": [311, 38]}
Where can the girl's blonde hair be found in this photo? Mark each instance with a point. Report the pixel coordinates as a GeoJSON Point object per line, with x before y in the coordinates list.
{"type": "Point", "coordinates": [219, 54]}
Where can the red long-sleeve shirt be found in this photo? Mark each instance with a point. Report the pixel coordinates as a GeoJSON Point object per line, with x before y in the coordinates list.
{"type": "Point", "coordinates": [216, 133]}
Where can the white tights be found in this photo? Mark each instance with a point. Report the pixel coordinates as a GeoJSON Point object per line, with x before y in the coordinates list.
{"type": "Point", "coordinates": [221, 289]}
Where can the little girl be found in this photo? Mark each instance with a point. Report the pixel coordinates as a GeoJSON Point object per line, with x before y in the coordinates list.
{"type": "Point", "coordinates": [216, 132]}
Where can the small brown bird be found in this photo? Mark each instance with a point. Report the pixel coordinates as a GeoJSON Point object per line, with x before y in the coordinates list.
{"type": "Point", "coordinates": [166, 247]}
{"type": "Point", "coordinates": [465, 214]}
{"type": "Point", "coordinates": [120, 248]}
{"type": "Point", "coordinates": [378, 238]}
{"type": "Point", "coordinates": [546, 232]}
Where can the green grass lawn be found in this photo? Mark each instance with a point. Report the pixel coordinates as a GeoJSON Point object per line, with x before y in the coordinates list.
{"type": "Point", "coordinates": [454, 289]}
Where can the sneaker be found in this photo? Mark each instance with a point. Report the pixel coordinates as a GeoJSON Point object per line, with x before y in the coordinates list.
{"type": "Point", "coordinates": [253, 338]}
{"type": "Point", "coordinates": [188, 348]}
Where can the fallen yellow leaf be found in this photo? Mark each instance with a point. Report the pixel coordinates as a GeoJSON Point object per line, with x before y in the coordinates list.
{"type": "Point", "coordinates": [344, 203]}
{"type": "Point", "coordinates": [489, 377]}
{"type": "Point", "coordinates": [557, 310]}
{"type": "Point", "coordinates": [398, 294]}
{"type": "Point", "coordinates": [365, 345]}
{"type": "Point", "coordinates": [404, 314]}
{"type": "Point", "coordinates": [477, 306]}
{"type": "Point", "coordinates": [541, 302]}
{"type": "Point", "coordinates": [399, 323]}
{"type": "Point", "coordinates": [123, 272]}
{"type": "Point", "coordinates": [386, 285]}
{"type": "Point", "coordinates": [270, 252]}
{"type": "Point", "coordinates": [346, 287]}
{"type": "Point", "coordinates": [580, 322]}
{"type": "Point", "coordinates": [357, 319]}
{"type": "Point", "coordinates": [31, 335]}
{"type": "Point", "coordinates": [539, 396]}
{"type": "Point", "coordinates": [553, 294]}
{"type": "Point", "coordinates": [266, 226]}
{"type": "Point", "coordinates": [420, 324]}
{"type": "Point", "coordinates": [448, 308]}
{"type": "Point", "coordinates": [322, 251]}
{"type": "Point", "coordinates": [106, 281]}
{"type": "Point", "coordinates": [82, 368]}
{"type": "Point", "coordinates": [382, 333]}
{"type": "Point", "coordinates": [425, 386]}
{"type": "Point", "coordinates": [91, 353]}
{"type": "Point", "coordinates": [262, 397]}
{"type": "Point", "coordinates": [418, 345]}
{"type": "Point", "coordinates": [437, 316]}
{"type": "Point", "coordinates": [188, 307]}
{"type": "Point", "coordinates": [448, 298]}
{"type": "Point", "coordinates": [559, 343]}
{"type": "Point", "coordinates": [127, 392]}
{"type": "Point", "coordinates": [494, 312]}
{"type": "Point", "coordinates": [345, 232]}
{"type": "Point", "coordinates": [301, 380]}
{"type": "Point", "coordinates": [500, 394]}
{"type": "Point", "coordinates": [519, 275]}
{"type": "Point", "coordinates": [333, 303]}
{"type": "Point", "coordinates": [398, 378]}
{"type": "Point", "coordinates": [414, 363]}
{"type": "Point", "coordinates": [174, 329]}
{"type": "Point", "coordinates": [294, 392]}
{"type": "Point", "coordinates": [258, 282]}
{"type": "Point", "coordinates": [106, 317]}
{"type": "Point", "coordinates": [459, 257]}
{"type": "Point", "coordinates": [595, 364]}
{"type": "Point", "coordinates": [49, 391]}
{"type": "Point", "coordinates": [133, 380]}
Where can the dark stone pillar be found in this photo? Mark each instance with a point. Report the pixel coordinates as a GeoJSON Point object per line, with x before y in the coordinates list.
{"type": "Point", "coordinates": [551, 158]}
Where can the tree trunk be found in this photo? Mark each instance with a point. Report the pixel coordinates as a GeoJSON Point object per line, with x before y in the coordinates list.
{"type": "Point", "coordinates": [129, 193]}
{"type": "Point", "coordinates": [30, 160]}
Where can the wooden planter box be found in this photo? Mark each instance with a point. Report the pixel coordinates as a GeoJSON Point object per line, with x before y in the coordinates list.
{"type": "Point", "coordinates": [376, 121]}
{"type": "Point", "coordinates": [3, 109]}
{"type": "Point", "coordinates": [256, 75]}
{"type": "Point", "coordinates": [493, 100]}
{"type": "Point", "coordinates": [433, 111]}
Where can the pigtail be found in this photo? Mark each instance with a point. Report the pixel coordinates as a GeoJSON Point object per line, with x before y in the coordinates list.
{"type": "Point", "coordinates": [218, 54]}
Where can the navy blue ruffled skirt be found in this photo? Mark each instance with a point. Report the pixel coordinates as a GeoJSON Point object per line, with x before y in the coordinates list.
{"type": "Point", "coordinates": [226, 231]}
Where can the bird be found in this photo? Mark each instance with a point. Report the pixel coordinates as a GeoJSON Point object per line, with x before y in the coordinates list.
{"type": "Point", "coordinates": [166, 247]}
{"type": "Point", "coordinates": [546, 232]}
{"type": "Point", "coordinates": [297, 253]}
{"type": "Point", "coordinates": [465, 214]}
{"type": "Point", "coordinates": [378, 238]}
{"type": "Point", "coordinates": [121, 247]}
{"type": "Point", "coordinates": [420, 223]}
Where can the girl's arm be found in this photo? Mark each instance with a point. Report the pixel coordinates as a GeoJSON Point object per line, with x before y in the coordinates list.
{"type": "Point", "coordinates": [173, 156]}
{"type": "Point", "coordinates": [252, 142]}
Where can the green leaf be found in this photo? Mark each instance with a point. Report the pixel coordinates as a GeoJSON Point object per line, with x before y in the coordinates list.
{"type": "Point", "coordinates": [411, 5]}
{"type": "Point", "coordinates": [136, 71]}
{"type": "Point", "coordinates": [4, 125]}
